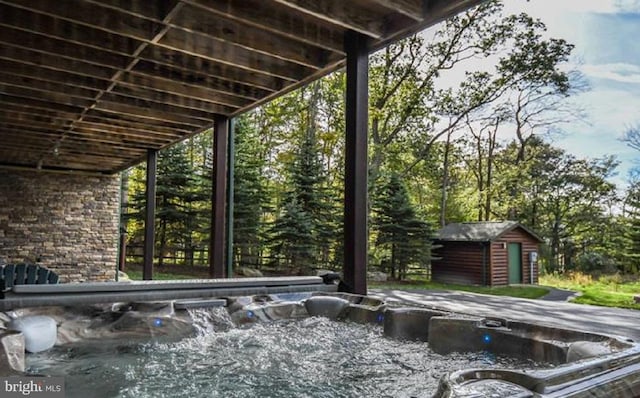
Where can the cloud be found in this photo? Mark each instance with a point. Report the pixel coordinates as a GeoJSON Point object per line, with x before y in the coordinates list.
{"type": "Point", "coordinates": [618, 72]}
{"type": "Point", "coordinates": [628, 6]}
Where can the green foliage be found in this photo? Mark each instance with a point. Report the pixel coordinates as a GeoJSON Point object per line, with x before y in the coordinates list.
{"type": "Point", "coordinates": [250, 196]}
{"type": "Point", "coordinates": [608, 290]}
{"type": "Point", "coordinates": [405, 237]}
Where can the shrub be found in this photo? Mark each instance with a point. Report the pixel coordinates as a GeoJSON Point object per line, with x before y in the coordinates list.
{"type": "Point", "coordinates": [595, 262]}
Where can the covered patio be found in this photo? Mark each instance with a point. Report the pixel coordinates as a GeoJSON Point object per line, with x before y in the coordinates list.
{"type": "Point", "coordinates": [89, 88]}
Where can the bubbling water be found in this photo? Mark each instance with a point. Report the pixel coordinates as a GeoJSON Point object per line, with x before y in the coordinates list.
{"type": "Point", "coordinates": [314, 357]}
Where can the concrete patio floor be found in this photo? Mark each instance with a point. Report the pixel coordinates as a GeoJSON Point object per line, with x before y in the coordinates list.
{"type": "Point", "coordinates": [612, 321]}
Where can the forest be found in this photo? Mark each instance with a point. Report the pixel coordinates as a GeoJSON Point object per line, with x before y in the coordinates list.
{"type": "Point", "coordinates": [462, 121]}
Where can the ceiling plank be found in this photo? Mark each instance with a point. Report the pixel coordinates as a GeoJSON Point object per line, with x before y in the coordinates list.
{"type": "Point", "coordinates": [217, 50]}
{"type": "Point", "coordinates": [51, 75]}
{"type": "Point", "coordinates": [94, 16]}
{"type": "Point", "coordinates": [148, 114]}
{"type": "Point", "coordinates": [66, 31]}
{"type": "Point", "coordinates": [33, 41]}
{"type": "Point", "coordinates": [47, 86]}
{"type": "Point", "coordinates": [53, 62]}
{"type": "Point", "coordinates": [198, 78]}
{"type": "Point", "coordinates": [163, 107]}
{"type": "Point", "coordinates": [154, 121]}
{"type": "Point", "coordinates": [54, 99]}
{"type": "Point", "coordinates": [169, 98]}
{"type": "Point", "coordinates": [121, 121]}
{"type": "Point", "coordinates": [37, 103]}
{"type": "Point", "coordinates": [187, 90]}
{"type": "Point", "coordinates": [187, 62]}
{"type": "Point", "coordinates": [409, 8]}
{"type": "Point", "coordinates": [247, 36]}
{"type": "Point", "coordinates": [269, 17]}
{"type": "Point", "coordinates": [342, 13]}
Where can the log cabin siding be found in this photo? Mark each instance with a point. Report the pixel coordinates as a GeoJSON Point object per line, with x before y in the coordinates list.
{"type": "Point", "coordinates": [461, 262]}
{"type": "Point", "coordinates": [500, 259]}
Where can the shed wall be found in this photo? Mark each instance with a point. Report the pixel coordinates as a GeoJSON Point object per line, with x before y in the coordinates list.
{"type": "Point", "coordinates": [461, 263]}
{"type": "Point", "coordinates": [500, 261]}
{"type": "Point", "coordinates": [68, 223]}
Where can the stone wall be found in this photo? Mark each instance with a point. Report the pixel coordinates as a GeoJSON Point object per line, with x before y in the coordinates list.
{"type": "Point", "coordinates": [68, 223]}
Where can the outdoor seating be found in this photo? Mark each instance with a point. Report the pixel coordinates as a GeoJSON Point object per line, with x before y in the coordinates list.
{"type": "Point", "coordinates": [25, 274]}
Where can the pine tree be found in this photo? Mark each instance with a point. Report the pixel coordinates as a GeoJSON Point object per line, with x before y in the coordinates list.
{"type": "Point", "coordinates": [249, 196]}
{"type": "Point", "coordinates": [406, 238]}
{"type": "Point", "coordinates": [308, 201]}
{"type": "Point", "coordinates": [631, 258]}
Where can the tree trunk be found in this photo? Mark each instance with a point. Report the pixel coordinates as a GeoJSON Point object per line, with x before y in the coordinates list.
{"type": "Point", "coordinates": [445, 182]}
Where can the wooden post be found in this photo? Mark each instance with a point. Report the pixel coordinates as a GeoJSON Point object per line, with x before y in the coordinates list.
{"type": "Point", "coordinates": [356, 204]}
{"type": "Point", "coordinates": [150, 219]}
{"type": "Point", "coordinates": [218, 198]}
{"type": "Point", "coordinates": [230, 187]}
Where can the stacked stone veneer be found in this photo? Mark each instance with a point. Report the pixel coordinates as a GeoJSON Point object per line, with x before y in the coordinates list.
{"type": "Point", "coordinates": [68, 223]}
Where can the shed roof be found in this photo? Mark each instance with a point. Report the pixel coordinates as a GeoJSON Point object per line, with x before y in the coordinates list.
{"type": "Point", "coordinates": [91, 85]}
{"type": "Point", "coordinates": [484, 231]}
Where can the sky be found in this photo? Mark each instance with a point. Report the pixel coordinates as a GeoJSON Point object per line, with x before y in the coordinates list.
{"type": "Point", "coordinates": [606, 35]}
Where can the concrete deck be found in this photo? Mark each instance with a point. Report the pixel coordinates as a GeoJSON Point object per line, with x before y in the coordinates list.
{"type": "Point", "coordinates": [612, 321]}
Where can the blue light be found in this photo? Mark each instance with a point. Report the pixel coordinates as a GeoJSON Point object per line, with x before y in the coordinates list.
{"type": "Point", "coordinates": [486, 338]}
{"type": "Point", "coordinates": [250, 314]}
{"type": "Point", "coordinates": [157, 322]}
{"type": "Point", "coordinates": [380, 318]}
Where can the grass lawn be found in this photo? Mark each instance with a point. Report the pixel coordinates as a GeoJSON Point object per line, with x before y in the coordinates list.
{"type": "Point", "coordinates": [607, 290]}
{"type": "Point", "coordinates": [163, 276]}
{"type": "Point", "coordinates": [531, 292]}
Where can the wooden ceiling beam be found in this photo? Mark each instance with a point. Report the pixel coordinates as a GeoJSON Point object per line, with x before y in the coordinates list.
{"type": "Point", "coordinates": [198, 45]}
{"type": "Point", "coordinates": [266, 16]}
{"type": "Point", "coordinates": [94, 16]}
{"type": "Point", "coordinates": [125, 122]}
{"type": "Point", "coordinates": [162, 107]}
{"type": "Point", "coordinates": [129, 117]}
{"type": "Point", "coordinates": [53, 62]}
{"type": "Point", "coordinates": [113, 137]}
{"type": "Point", "coordinates": [147, 114]}
{"type": "Point", "coordinates": [54, 99]}
{"type": "Point", "coordinates": [23, 117]}
{"type": "Point", "coordinates": [193, 19]}
{"type": "Point", "coordinates": [6, 106]}
{"type": "Point", "coordinates": [21, 122]}
{"type": "Point", "coordinates": [413, 9]}
{"type": "Point", "coordinates": [69, 32]}
{"type": "Point", "coordinates": [134, 91]}
{"type": "Point", "coordinates": [224, 101]}
{"type": "Point", "coordinates": [345, 14]}
{"type": "Point", "coordinates": [42, 43]}
{"type": "Point", "coordinates": [190, 63]}
{"type": "Point", "coordinates": [51, 75]}
{"type": "Point", "coordinates": [200, 78]}
{"type": "Point", "coordinates": [117, 140]}
{"type": "Point", "coordinates": [46, 86]}
{"type": "Point", "coordinates": [38, 103]}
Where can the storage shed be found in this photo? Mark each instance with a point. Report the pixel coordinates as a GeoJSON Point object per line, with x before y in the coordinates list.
{"type": "Point", "coordinates": [486, 253]}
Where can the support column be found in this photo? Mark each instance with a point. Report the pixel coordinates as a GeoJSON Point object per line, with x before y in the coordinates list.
{"type": "Point", "coordinates": [150, 214]}
{"type": "Point", "coordinates": [230, 187]}
{"type": "Point", "coordinates": [356, 204]}
{"type": "Point", "coordinates": [218, 198]}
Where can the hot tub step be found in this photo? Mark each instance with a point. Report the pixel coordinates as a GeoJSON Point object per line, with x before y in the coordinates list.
{"type": "Point", "coordinates": [186, 304]}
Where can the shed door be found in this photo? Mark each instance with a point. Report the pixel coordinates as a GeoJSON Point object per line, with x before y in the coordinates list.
{"type": "Point", "coordinates": [515, 263]}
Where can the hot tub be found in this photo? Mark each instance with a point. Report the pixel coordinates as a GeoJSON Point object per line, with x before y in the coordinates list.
{"type": "Point", "coordinates": [323, 345]}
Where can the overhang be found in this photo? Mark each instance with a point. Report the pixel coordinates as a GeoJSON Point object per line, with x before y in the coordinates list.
{"type": "Point", "coordinates": [91, 85]}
